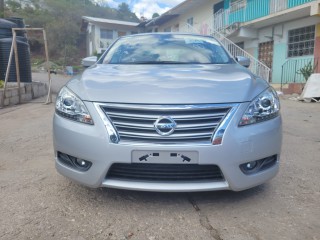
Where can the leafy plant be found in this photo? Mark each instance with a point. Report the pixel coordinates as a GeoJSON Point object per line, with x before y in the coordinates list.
{"type": "Point", "coordinates": [307, 70]}
{"type": "Point", "coordinates": [1, 83]}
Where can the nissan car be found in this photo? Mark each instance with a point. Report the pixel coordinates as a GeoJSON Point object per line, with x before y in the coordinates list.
{"type": "Point", "coordinates": [168, 112]}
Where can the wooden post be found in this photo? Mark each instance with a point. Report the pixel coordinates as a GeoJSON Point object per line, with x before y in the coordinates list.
{"type": "Point", "coordinates": [14, 41]}
{"type": "Point", "coordinates": [49, 97]}
{"type": "Point", "coordinates": [7, 72]}
{"type": "Point", "coordinates": [14, 49]}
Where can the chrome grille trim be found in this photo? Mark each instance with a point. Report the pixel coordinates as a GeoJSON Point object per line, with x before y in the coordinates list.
{"type": "Point", "coordinates": [196, 124]}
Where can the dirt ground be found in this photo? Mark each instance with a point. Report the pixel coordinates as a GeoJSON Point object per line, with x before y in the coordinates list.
{"type": "Point", "coordinates": [38, 203]}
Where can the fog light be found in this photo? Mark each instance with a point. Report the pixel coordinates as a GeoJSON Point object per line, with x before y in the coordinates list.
{"type": "Point", "coordinates": [259, 165]}
{"type": "Point", "coordinates": [73, 162]}
{"type": "Point", "coordinates": [251, 165]}
{"type": "Point", "coordinates": [83, 164]}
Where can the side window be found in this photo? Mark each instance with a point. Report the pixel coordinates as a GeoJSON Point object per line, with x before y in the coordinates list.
{"type": "Point", "coordinates": [106, 34]}
{"type": "Point", "coordinates": [190, 21]}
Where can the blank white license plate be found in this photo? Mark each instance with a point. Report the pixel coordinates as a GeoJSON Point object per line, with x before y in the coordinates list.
{"type": "Point", "coordinates": [165, 157]}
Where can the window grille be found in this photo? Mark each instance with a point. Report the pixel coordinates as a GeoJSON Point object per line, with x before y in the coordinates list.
{"type": "Point", "coordinates": [301, 41]}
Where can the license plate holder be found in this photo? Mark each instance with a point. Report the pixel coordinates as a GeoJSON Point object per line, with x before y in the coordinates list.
{"type": "Point", "coordinates": [165, 157]}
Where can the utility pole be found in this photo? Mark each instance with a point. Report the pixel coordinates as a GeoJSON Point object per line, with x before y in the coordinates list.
{"type": "Point", "coordinates": [1, 8]}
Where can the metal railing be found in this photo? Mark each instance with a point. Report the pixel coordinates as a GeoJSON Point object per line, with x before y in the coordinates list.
{"type": "Point", "coordinates": [298, 70]}
{"type": "Point", "coordinates": [243, 11]}
{"type": "Point", "coordinates": [221, 20]}
{"type": "Point", "coordinates": [256, 67]}
{"type": "Point", "coordinates": [278, 6]}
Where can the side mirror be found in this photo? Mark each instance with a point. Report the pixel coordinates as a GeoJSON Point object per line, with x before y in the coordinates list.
{"type": "Point", "coordinates": [244, 61]}
{"type": "Point", "coordinates": [89, 61]}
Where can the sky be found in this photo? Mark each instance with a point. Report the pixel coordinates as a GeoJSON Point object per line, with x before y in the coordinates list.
{"type": "Point", "coordinates": [146, 8]}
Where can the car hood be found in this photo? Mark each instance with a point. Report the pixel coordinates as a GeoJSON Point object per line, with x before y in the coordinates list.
{"type": "Point", "coordinates": [167, 84]}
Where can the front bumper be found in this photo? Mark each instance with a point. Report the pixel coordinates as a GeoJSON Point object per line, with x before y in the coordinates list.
{"type": "Point", "coordinates": [240, 145]}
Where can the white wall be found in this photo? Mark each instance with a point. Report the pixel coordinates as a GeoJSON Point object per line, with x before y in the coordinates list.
{"type": "Point", "coordinates": [202, 18]}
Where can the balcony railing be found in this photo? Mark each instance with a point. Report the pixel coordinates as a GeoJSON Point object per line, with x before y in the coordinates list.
{"type": "Point", "coordinates": [245, 10]}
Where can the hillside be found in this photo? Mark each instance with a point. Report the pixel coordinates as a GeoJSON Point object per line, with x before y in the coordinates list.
{"type": "Point", "coordinates": [62, 20]}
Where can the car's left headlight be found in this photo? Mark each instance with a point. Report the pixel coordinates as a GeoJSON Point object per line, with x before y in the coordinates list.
{"type": "Point", "coordinates": [264, 107]}
{"type": "Point", "coordinates": [70, 106]}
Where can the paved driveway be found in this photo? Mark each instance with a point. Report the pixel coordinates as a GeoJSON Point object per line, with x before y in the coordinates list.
{"type": "Point", "coordinates": [37, 203]}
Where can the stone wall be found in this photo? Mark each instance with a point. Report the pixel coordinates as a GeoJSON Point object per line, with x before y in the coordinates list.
{"type": "Point", "coordinates": [28, 91]}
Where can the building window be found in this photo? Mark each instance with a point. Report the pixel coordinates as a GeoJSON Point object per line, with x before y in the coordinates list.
{"type": "Point", "coordinates": [176, 28]}
{"type": "Point", "coordinates": [190, 21]}
{"type": "Point", "coordinates": [301, 41]}
{"type": "Point", "coordinates": [168, 29]}
{"type": "Point", "coordinates": [106, 34]}
{"type": "Point", "coordinates": [236, 5]}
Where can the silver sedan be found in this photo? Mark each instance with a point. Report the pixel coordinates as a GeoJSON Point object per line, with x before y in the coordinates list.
{"type": "Point", "coordinates": [168, 112]}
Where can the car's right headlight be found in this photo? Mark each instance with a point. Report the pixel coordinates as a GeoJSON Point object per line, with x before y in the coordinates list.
{"type": "Point", "coordinates": [264, 107]}
{"type": "Point", "coordinates": [70, 106]}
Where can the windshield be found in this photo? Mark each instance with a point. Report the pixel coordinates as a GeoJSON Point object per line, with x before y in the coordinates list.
{"type": "Point", "coordinates": [166, 49]}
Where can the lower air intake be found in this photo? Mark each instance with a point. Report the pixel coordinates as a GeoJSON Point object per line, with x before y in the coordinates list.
{"type": "Point", "coordinates": [165, 172]}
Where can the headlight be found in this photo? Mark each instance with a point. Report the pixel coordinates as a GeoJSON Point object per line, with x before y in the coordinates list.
{"type": "Point", "coordinates": [264, 107]}
{"type": "Point", "coordinates": [68, 105]}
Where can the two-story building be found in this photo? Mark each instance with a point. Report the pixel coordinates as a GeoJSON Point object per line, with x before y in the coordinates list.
{"type": "Point", "coordinates": [101, 32]}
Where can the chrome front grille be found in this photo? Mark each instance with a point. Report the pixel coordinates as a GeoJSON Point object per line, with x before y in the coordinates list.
{"type": "Point", "coordinates": [194, 123]}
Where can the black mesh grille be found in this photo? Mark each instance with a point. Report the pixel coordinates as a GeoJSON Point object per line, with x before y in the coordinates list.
{"type": "Point", "coordinates": [165, 172]}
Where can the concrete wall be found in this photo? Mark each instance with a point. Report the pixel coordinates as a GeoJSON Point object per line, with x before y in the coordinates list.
{"type": "Point", "coordinates": [202, 18]}
{"type": "Point", "coordinates": [28, 92]}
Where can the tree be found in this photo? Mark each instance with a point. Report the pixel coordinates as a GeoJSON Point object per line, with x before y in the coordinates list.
{"type": "Point", "coordinates": [155, 15]}
{"type": "Point", "coordinates": [125, 13]}
{"type": "Point", "coordinates": [124, 8]}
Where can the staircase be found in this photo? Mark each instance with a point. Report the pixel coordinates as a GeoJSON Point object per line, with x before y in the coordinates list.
{"type": "Point", "coordinates": [256, 67]}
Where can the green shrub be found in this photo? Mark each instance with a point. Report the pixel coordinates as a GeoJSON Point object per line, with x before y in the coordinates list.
{"type": "Point", "coordinates": [307, 70]}
{"type": "Point", "coordinates": [1, 83]}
